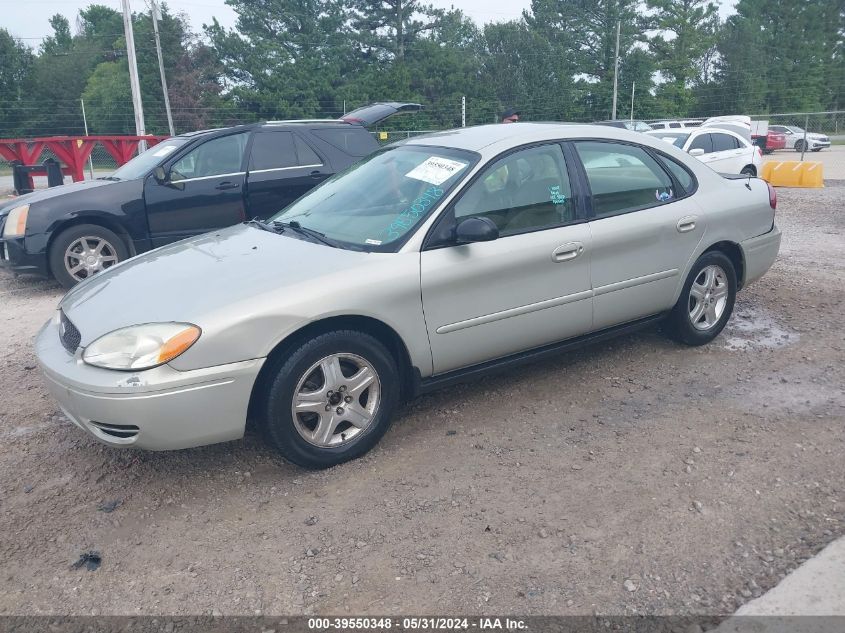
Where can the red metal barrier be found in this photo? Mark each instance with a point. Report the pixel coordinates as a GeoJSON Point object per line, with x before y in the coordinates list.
{"type": "Point", "coordinates": [73, 151]}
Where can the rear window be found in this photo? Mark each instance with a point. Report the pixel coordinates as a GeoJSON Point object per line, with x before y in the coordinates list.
{"type": "Point", "coordinates": [355, 141]}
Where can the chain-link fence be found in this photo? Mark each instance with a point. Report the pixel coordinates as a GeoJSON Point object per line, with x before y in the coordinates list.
{"type": "Point", "coordinates": [827, 126]}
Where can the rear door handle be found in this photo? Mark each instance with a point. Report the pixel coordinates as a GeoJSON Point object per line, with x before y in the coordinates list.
{"type": "Point", "coordinates": [316, 174]}
{"type": "Point", "coordinates": [567, 252]}
{"type": "Point", "coordinates": [687, 224]}
{"type": "Point", "coordinates": [227, 185]}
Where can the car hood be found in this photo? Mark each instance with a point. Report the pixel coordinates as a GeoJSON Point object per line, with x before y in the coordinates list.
{"type": "Point", "coordinates": [815, 135]}
{"type": "Point", "coordinates": [199, 279]}
{"type": "Point", "coordinates": [52, 192]}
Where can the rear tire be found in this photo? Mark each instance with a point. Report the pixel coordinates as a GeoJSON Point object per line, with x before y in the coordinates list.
{"type": "Point", "coordinates": [84, 250]}
{"type": "Point", "coordinates": [331, 399]}
{"type": "Point", "coordinates": [707, 300]}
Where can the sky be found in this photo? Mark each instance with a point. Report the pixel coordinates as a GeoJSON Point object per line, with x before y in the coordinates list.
{"type": "Point", "coordinates": [29, 19]}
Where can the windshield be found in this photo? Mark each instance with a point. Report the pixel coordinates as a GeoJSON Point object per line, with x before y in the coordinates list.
{"type": "Point", "coordinates": [143, 163]}
{"type": "Point", "coordinates": [676, 138]}
{"type": "Point", "coordinates": [378, 201]}
{"type": "Point", "coordinates": [640, 126]}
{"type": "Point", "coordinates": [795, 130]}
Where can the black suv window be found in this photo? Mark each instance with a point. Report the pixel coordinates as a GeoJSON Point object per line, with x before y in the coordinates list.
{"type": "Point", "coordinates": [272, 150]}
{"type": "Point", "coordinates": [355, 141]}
{"type": "Point", "coordinates": [222, 155]}
{"type": "Point", "coordinates": [307, 156]}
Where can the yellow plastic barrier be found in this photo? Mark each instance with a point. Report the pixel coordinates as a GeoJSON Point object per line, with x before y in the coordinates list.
{"type": "Point", "coordinates": [793, 173]}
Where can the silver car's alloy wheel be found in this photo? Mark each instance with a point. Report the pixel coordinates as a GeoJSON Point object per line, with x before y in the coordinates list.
{"type": "Point", "coordinates": [708, 297]}
{"type": "Point", "coordinates": [335, 400]}
{"type": "Point", "coordinates": [88, 255]}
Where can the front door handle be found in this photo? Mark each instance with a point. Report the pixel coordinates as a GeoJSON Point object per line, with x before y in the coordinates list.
{"type": "Point", "coordinates": [227, 185]}
{"type": "Point", "coordinates": [687, 224]}
{"type": "Point", "coordinates": [567, 252]}
{"type": "Point", "coordinates": [316, 174]}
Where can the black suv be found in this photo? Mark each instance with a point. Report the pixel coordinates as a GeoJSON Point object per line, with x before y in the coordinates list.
{"type": "Point", "coordinates": [185, 185]}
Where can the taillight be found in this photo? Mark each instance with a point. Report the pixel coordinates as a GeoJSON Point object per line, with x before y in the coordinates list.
{"type": "Point", "coordinates": [773, 197]}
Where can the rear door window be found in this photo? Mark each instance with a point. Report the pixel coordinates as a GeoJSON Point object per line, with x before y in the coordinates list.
{"type": "Point", "coordinates": [272, 150]}
{"type": "Point", "coordinates": [623, 178]}
{"type": "Point", "coordinates": [681, 174]}
{"type": "Point", "coordinates": [724, 142]}
{"type": "Point", "coordinates": [307, 156]}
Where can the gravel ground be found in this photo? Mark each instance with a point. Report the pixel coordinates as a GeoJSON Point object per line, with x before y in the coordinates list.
{"type": "Point", "coordinates": [637, 476]}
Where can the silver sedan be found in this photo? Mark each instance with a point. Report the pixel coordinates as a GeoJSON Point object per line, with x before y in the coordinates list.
{"type": "Point", "coordinates": [427, 263]}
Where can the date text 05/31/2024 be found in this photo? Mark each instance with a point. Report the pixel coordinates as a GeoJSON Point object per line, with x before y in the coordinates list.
{"type": "Point", "coordinates": [413, 624]}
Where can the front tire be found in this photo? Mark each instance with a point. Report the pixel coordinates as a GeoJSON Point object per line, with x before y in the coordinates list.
{"type": "Point", "coordinates": [706, 301]}
{"type": "Point", "coordinates": [799, 145]}
{"type": "Point", "coordinates": [331, 399]}
{"type": "Point", "coordinates": [84, 250]}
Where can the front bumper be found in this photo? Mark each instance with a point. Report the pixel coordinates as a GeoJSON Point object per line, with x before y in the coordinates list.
{"type": "Point", "coordinates": [156, 409]}
{"type": "Point", "coordinates": [816, 143]}
{"type": "Point", "coordinates": [758, 254]}
{"type": "Point", "coordinates": [14, 257]}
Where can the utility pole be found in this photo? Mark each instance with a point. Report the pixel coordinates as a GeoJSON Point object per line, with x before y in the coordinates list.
{"type": "Point", "coordinates": [137, 106]}
{"type": "Point", "coordinates": [156, 16]}
{"type": "Point", "coordinates": [633, 88]}
{"type": "Point", "coordinates": [463, 111]}
{"type": "Point", "coordinates": [85, 123]}
{"type": "Point", "coordinates": [616, 69]}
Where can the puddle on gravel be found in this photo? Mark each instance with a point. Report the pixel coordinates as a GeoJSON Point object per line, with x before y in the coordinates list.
{"type": "Point", "coordinates": [754, 328]}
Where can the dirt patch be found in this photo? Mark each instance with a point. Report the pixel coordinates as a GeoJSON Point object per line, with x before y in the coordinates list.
{"type": "Point", "coordinates": [637, 476]}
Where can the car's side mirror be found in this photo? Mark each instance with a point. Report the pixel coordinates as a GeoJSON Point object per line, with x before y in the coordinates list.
{"type": "Point", "coordinates": [696, 152]}
{"type": "Point", "coordinates": [476, 230]}
{"type": "Point", "coordinates": [160, 175]}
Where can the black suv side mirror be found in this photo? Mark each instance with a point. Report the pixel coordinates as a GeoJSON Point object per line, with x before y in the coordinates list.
{"type": "Point", "coordinates": [476, 230]}
{"type": "Point", "coordinates": [160, 175]}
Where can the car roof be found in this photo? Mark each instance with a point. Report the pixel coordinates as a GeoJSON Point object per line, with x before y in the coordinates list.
{"type": "Point", "coordinates": [500, 136]}
{"type": "Point", "coordinates": [293, 123]}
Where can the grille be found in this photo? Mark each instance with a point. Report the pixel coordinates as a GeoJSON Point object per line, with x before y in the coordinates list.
{"type": "Point", "coordinates": [68, 334]}
{"type": "Point", "coordinates": [119, 431]}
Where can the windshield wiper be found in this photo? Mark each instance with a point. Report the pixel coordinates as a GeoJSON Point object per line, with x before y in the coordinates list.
{"type": "Point", "coordinates": [261, 225]}
{"type": "Point", "coordinates": [108, 178]}
{"type": "Point", "coordinates": [302, 230]}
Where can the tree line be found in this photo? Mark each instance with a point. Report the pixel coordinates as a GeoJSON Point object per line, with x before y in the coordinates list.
{"type": "Point", "coordinates": [319, 58]}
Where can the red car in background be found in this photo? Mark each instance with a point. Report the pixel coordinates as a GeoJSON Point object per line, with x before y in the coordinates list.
{"type": "Point", "coordinates": [774, 140]}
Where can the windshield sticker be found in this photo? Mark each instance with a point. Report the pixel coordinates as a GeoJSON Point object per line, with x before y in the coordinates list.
{"type": "Point", "coordinates": [373, 242]}
{"type": "Point", "coordinates": [556, 196]}
{"type": "Point", "coordinates": [164, 151]}
{"type": "Point", "coordinates": [436, 170]}
{"type": "Point", "coordinates": [663, 196]}
{"type": "Point", "coordinates": [409, 216]}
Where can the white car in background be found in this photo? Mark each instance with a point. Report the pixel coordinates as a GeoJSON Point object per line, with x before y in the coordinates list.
{"type": "Point", "coordinates": [723, 151]}
{"type": "Point", "coordinates": [795, 138]}
{"type": "Point", "coordinates": [675, 125]}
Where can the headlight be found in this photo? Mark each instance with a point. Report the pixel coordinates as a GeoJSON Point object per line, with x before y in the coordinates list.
{"type": "Point", "coordinates": [141, 346]}
{"type": "Point", "coordinates": [16, 222]}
